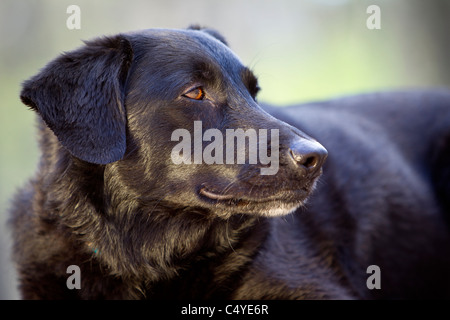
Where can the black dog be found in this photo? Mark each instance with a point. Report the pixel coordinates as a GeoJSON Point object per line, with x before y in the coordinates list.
{"type": "Point", "coordinates": [142, 221]}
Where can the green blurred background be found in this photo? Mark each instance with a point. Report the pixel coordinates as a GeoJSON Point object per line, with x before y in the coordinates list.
{"type": "Point", "coordinates": [301, 51]}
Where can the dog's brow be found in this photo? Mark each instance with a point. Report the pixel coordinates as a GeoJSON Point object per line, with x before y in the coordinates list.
{"type": "Point", "coordinates": [204, 71]}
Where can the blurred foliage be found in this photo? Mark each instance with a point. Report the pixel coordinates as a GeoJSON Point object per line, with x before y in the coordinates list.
{"type": "Point", "coordinates": [301, 50]}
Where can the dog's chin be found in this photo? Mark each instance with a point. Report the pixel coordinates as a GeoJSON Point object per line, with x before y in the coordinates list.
{"type": "Point", "coordinates": [279, 204]}
{"type": "Point", "coordinates": [281, 209]}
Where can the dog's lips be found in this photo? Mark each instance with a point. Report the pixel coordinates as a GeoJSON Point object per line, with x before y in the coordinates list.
{"type": "Point", "coordinates": [233, 199]}
{"type": "Point", "coordinates": [214, 196]}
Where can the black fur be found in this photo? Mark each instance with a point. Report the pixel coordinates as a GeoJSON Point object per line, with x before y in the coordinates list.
{"type": "Point", "coordinates": [108, 198]}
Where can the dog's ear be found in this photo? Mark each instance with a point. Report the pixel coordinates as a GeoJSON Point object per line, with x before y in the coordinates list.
{"type": "Point", "coordinates": [209, 31]}
{"type": "Point", "coordinates": [80, 96]}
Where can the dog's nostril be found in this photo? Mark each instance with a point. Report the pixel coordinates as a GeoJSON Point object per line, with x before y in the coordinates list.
{"type": "Point", "coordinates": [308, 158]}
{"type": "Point", "coordinates": [310, 162]}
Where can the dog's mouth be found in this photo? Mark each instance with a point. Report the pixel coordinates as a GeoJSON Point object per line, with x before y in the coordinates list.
{"type": "Point", "coordinates": [276, 203]}
{"type": "Point", "coordinates": [204, 191]}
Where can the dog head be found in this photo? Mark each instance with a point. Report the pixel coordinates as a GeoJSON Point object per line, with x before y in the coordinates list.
{"type": "Point", "coordinates": [172, 115]}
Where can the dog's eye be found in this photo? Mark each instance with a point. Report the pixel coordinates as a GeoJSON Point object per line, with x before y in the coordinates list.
{"type": "Point", "coordinates": [195, 94]}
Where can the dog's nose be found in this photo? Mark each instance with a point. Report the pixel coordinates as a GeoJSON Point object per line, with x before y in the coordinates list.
{"type": "Point", "coordinates": [308, 155]}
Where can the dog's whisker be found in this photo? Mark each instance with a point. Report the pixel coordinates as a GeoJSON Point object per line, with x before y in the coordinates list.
{"type": "Point", "coordinates": [229, 186]}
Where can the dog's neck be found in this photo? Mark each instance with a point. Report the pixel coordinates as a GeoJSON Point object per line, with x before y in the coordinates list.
{"type": "Point", "coordinates": [163, 242]}
{"type": "Point", "coordinates": [162, 255]}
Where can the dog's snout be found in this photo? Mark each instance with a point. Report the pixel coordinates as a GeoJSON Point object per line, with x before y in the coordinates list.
{"type": "Point", "coordinates": [308, 155]}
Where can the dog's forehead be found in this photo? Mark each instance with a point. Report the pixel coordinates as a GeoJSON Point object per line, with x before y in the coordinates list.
{"type": "Point", "coordinates": [191, 44]}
